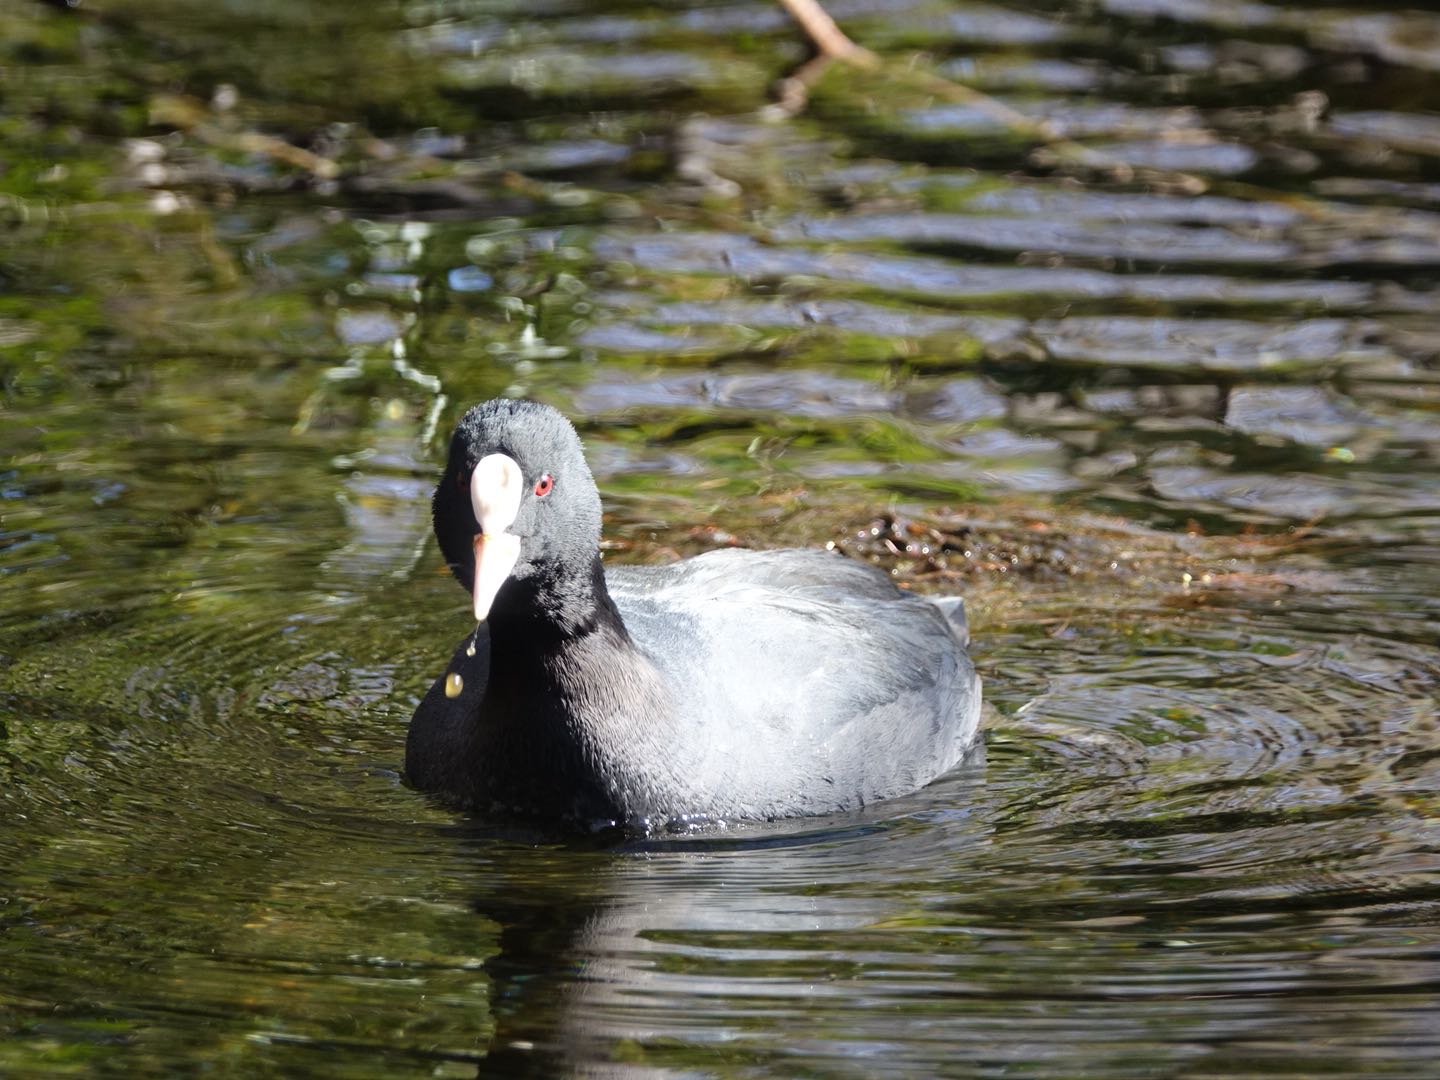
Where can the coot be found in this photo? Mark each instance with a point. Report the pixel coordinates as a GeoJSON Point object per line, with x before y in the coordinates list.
{"type": "Point", "coordinates": [734, 685]}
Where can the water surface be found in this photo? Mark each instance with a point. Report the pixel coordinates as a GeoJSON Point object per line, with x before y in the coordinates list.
{"type": "Point", "coordinates": [1137, 350]}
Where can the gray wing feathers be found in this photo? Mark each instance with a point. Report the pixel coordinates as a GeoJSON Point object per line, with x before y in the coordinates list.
{"type": "Point", "coordinates": [854, 689]}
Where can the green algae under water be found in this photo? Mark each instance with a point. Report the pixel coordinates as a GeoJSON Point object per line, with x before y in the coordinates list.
{"type": "Point", "coordinates": [1155, 388]}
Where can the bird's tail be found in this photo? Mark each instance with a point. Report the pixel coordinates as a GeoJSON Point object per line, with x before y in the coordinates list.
{"type": "Point", "coordinates": [953, 608]}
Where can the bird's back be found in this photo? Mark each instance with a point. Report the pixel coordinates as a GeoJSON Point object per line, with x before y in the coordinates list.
{"type": "Point", "coordinates": [803, 681]}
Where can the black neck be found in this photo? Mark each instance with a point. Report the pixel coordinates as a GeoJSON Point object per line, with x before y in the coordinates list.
{"type": "Point", "coordinates": [547, 613]}
{"type": "Point", "coordinates": [576, 693]}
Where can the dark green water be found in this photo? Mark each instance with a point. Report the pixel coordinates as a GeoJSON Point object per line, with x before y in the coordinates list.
{"type": "Point", "coordinates": [1162, 379]}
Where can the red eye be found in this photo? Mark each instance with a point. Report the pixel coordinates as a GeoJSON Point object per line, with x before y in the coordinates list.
{"type": "Point", "coordinates": [544, 485]}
